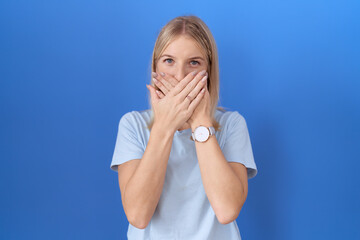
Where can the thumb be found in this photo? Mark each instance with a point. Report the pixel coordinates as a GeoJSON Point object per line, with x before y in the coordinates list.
{"type": "Point", "coordinates": [153, 95]}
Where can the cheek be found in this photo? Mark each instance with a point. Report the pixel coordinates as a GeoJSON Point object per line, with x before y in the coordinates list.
{"type": "Point", "coordinates": [161, 67]}
{"type": "Point", "coordinates": [166, 69]}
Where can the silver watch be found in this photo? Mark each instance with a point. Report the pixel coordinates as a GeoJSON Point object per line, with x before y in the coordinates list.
{"type": "Point", "coordinates": [202, 133]}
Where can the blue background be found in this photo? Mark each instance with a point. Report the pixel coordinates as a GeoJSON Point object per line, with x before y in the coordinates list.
{"type": "Point", "coordinates": [70, 69]}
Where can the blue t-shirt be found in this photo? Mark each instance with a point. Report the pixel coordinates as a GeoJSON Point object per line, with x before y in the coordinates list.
{"type": "Point", "coordinates": [184, 211]}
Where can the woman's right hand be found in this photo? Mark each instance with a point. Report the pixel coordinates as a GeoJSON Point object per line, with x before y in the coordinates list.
{"type": "Point", "coordinates": [173, 110]}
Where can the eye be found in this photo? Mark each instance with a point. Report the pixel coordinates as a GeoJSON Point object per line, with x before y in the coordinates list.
{"type": "Point", "coordinates": [166, 60]}
{"type": "Point", "coordinates": [197, 63]}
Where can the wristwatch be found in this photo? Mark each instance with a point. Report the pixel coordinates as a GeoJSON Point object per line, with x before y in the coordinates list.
{"type": "Point", "coordinates": [202, 133]}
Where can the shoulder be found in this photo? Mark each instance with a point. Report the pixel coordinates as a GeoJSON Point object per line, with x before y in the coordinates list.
{"type": "Point", "coordinates": [230, 118]}
{"type": "Point", "coordinates": [135, 120]}
{"type": "Point", "coordinates": [136, 116]}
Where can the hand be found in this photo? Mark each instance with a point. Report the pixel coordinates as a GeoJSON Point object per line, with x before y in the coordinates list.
{"type": "Point", "coordinates": [174, 109]}
{"type": "Point", "coordinates": [169, 82]}
{"type": "Point", "coordinates": [202, 113]}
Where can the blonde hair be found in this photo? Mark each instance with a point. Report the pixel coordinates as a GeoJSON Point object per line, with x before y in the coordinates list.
{"type": "Point", "coordinates": [195, 28]}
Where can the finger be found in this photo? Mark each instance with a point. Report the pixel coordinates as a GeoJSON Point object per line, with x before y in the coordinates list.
{"type": "Point", "coordinates": [172, 80]}
{"type": "Point", "coordinates": [189, 87]}
{"type": "Point", "coordinates": [201, 84]}
{"type": "Point", "coordinates": [183, 83]}
{"type": "Point", "coordinates": [154, 97]}
{"type": "Point", "coordinates": [160, 85]}
{"type": "Point", "coordinates": [165, 82]}
{"type": "Point", "coordinates": [160, 94]}
{"type": "Point", "coordinates": [193, 104]}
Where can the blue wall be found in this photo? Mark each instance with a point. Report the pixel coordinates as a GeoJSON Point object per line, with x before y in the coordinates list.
{"type": "Point", "coordinates": [70, 69]}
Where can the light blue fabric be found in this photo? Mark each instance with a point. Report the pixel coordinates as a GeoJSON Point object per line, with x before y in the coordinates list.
{"type": "Point", "coordinates": [184, 211]}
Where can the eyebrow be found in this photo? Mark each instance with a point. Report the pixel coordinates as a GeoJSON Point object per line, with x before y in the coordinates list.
{"type": "Point", "coordinates": [196, 57]}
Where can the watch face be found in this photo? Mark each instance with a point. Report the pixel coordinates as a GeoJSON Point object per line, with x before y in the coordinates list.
{"type": "Point", "coordinates": [201, 133]}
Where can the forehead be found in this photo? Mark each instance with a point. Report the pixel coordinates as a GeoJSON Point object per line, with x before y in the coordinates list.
{"type": "Point", "coordinates": [183, 46]}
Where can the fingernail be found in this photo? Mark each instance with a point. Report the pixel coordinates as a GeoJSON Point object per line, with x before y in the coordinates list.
{"type": "Point", "coordinates": [204, 79]}
{"type": "Point", "coordinates": [194, 73]}
{"type": "Point", "coordinates": [155, 80]}
{"type": "Point", "coordinates": [162, 74]}
{"type": "Point", "coordinates": [203, 72]}
{"type": "Point", "coordinates": [154, 74]}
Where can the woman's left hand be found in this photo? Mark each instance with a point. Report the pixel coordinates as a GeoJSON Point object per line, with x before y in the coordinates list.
{"type": "Point", "coordinates": [201, 114]}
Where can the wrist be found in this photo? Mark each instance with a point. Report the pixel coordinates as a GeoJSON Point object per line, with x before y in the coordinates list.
{"type": "Point", "coordinates": [165, 132]}
{"type": "Point", "coordinates": [203, 122]}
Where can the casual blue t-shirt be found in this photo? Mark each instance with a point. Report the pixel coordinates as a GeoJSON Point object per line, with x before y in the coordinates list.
{"type": "Point", "coordinates": [184, 211]}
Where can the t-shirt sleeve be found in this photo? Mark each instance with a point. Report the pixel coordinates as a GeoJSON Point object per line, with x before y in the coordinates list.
{"type": "Point", "coordinates": [128, 144]}
{"type": "Point", "coordinates": [237, 147]}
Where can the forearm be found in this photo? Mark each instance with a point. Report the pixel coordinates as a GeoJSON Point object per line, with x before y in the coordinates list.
{"type": "Point", "coordinates": [144, 188]}
{"type": "Point", "coordinates": [223, 188]}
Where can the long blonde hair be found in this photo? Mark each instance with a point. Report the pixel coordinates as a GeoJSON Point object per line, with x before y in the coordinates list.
{"type": "Point", "coordinates": [195, 28]}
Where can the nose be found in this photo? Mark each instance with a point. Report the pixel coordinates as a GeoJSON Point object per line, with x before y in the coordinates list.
{"type": "Point", "coordinates": [180, 73]}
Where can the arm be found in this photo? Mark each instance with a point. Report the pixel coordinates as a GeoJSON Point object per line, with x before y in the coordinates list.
{"type": "Point", "coordinates": [142, 191]}
{"type": "Point", "coordinates": [225, 183]}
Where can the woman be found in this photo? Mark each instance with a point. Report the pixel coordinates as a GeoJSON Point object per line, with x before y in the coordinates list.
{"type": "Point", "coordinates": [183, 165]}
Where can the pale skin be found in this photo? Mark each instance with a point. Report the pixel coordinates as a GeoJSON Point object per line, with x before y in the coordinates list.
{"type": "Point", "coordinates": [141, 183]}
